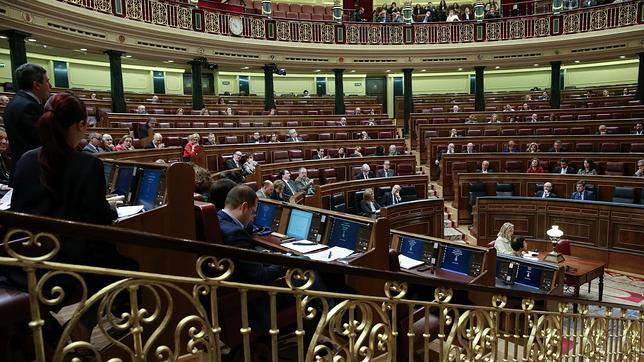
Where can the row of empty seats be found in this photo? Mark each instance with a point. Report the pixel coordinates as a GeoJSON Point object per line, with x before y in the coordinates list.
{"type": "Point", "coordinates": [542, 131]}
{"type": "Point", "coordinates": [578, 147]}
{"type": "Point", "coordinates": [515, 166]}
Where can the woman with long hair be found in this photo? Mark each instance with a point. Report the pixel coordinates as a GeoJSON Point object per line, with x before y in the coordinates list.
{"type": "Point", "coordinates": [502, 244]}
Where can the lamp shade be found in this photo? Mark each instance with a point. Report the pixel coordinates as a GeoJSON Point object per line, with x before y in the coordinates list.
{"type": "Point", "coordinates": [555, 232]}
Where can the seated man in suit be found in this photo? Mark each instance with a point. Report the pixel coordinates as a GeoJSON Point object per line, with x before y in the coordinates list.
{"type": "Point", "coordinates": [289, 186]}
{"type": "Point", "coordinates": [94, 144]}
{"type": "Point", "coordinates": [386, 171]}
{"type": "Point", "coordinates": [638, 129]}
{"type": "Point", "coordinates": [256, 138]}
{"type": "Point", "coordinates": [564, 168]}
{"type": "Point", "coordinates": [234, 162]}
{"type": "Point", "coordinates": [469, 148]}
{"type": "Point", "coordinates": [640, 169]}
{"type": "Point", "coordinates": [485, 167]}
{"type": "Point", "coordinates": [266, 190]}
{"type": "Point", "coordinates": [365, 173]}
{"type": "Point", "coordinates": [368, 205]}
{"type": "Point", "coordinates": [511, 147]}
{"type": "Point", "coordinates": [547, 191]}
{"type": "Point", "coordinates": [304, 183]}
{"type": "Point", "coordinates": [157, 141]}
{"type": "Point", "coordinates": [319, 154]}
{"type": "Point", "coordinates": [582, 193]}
{"type": "Point", "coordinates": [557, 147]}
{"type": "Point", "coordinates": [293, 137]}
{"type": "Point", "coordinates": [393, 197]}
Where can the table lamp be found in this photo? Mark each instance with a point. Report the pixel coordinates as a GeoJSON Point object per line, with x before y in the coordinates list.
{"type": "Point", "coordinates": [555, 235]}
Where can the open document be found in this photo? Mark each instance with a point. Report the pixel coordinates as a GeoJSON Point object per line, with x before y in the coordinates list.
{"type": "Point", "coordinates": [125, 211]}
{"type": "Point", "coordinates": [331, 254]}
{"type": "Point", "coordinates": [407, 262]}
{"type": "Point", "coordinates": [303, 246]}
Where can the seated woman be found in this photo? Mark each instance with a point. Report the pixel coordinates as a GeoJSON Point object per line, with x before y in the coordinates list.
{"type": "Point", "coordinates": [533, 147]}
{"type": "Point", "coordinates": [192, 148]}
{"type": "Point", "coordinates": [535, 166]}
{"type": "Point", "coordinates": [56, 181]}
{"type": "Point", "coordinates": [125, 144]}
{"type": "Point", "coordinates": [341, 153]}
{"type": "Point", "coordinates": [588, 169]}
{"type": "Point", "coordinates": [278, 191]}
{"type": "Point", "coordinates": [502, 242]}
{"type": "Point", "coordinates": [368, 204]}
{"type": "Point", "coordinates": [519, 246]}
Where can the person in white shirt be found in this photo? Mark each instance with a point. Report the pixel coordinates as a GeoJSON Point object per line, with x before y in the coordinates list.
{"type": "Point", "coordinates": [502, 244]}
{"type": "Point", "coordinates": [452, 17]}
{"type": "Point", "coordinates": [266, 190]}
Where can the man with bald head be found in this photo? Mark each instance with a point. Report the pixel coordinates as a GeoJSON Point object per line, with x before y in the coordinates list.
{"type": "Point", "coordinates": [392, 197]}
{"type": "Point", "coordinates": [547, 192]}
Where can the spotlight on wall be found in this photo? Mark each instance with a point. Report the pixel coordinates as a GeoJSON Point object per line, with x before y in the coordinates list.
{"type": "Point", "coordinates": [279, 71]}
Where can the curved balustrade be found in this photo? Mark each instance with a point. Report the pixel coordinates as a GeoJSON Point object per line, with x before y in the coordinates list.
{"type": "Point", "coordinates": [182, 16]}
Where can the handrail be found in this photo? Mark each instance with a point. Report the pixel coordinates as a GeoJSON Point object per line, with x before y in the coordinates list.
{"type": "Point", "coordinates": [185, 17]}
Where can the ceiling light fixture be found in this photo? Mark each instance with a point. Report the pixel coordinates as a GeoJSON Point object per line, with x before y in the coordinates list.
{"type": "Point", "coordinates": [536, 65]}
{"type": "Point", "coordinates": [83, 49]}
{"type": "Point", "coordinates": [245, 68]}
{"type": "Point", "coordinates": [388, 70]}
{"type": "Point", "coordinates": [31, 40]}
{"type": "Point", "coordinates": [622, 56]}
{"type": "Point", "coordinates": [353, 70]}
{"type": "Point", "coordinates": [423, 70]}
{"type": "Point", "coordinates": [460, 68]}
{"type": "Point", "coordinates": [128, 56]}
{"type": "Point", "coordinates": [577, 61]}
{"type": "Point", "coordinates": [497, 67]}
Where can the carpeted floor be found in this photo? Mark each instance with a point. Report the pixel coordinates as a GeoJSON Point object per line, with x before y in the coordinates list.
{"type": "Point", "coordinates": [618, 288]}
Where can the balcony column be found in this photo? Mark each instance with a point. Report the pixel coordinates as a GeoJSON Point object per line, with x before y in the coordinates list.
{"type": "Point", "coordinates": [269, 89]}
{"type": "Point", "coordinates": [116, 81]}
{"type": "Point", "coordinates": [555, 85]}
{"type": "Point", "coordinates": [640, 79]}
{"type": "Point", "coordinates": [339, 91]}
{"type": "Point", "coordinates": [17, 51]}
{"type": "Point", "coordinates": [409, 103]}
{"type": "Point", "coordinates": [479, 89]}
{"type": "Point", "coordinates": [197, 90]}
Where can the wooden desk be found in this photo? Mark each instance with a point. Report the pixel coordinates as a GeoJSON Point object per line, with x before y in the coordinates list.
{"type": "Point", "coordinates": [580, 271]}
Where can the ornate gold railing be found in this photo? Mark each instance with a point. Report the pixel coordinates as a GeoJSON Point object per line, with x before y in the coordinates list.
{"type": "Point", "coordinates": [168, 316]}
{"type": "Point", "coordinates": [183, 16]}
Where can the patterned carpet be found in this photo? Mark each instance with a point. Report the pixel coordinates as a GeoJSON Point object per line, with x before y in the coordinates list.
{"type": "Point", "coordinates": [619, 288]}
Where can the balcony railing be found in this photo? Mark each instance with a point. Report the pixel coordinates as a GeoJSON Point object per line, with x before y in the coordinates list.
{"type": "Point", "coordinates": [181, 16]}
{"type": "Point", "coordinates": [165, 316]}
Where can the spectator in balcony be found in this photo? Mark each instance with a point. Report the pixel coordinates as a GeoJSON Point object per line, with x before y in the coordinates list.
{"type": "Point", "coordinates": [248, 167]}
{"type": "Point", "coordinates": [640, 168]}
{"type": "Point", "coordinates": [508, 108]}
{"type": "Point", "coordinates": [527, 97]}
{"type": "Point", "coordinates": [92, 96]}
{"type": "Point", "coordinates": [234, 162]}
{"type": "Point", "coordinates": [304, 183]}
{"type": "Point", "coordinates": [557, 147]}
{"type": "Point", "coordinates": [442, 11]}
{"type": "Point", "coordinates": [380, 151]}
{"type": "Point", "coordinates": [547, 192]}
{"type": "Point", "coordinates": [418, 10]}
{"type": "Point", "coordinates": [393, 8]}
{"type": "Point", "coordinates": [371, 122]}
{"type": "Point", "coordinates": [342, 122]}
{"type": "Point", "coordinates": [564, 168]}
{"type": "Point", "coordinates": [358, 15]}
{"type": "Point", "coordinates": [157, 142]}
{"type": "Point", "coordinates": [544, 96]}
{"type": "Point", "coordinates": [492, 14]}
{"type": "Point", "coordinates": [511, 147]}
{"type": "Point", "coordinates": [292, 136]}
{"type": "Point", "coordinates": [382, 16]}
{"type": "Point", "coordinates": [471, 119]}
{"type": "Point", "coordinates": [192, 148]}
{"type": "Point", "coordinates": [140, 109]}
{"type": "Point", "coordinates": [179, 111]}
{"type": "Point", "coordinates": [266, 190]}
{"type": "Point", "coordinates": [211, 140]}
{"type": "Point", "coordinates": [456, 108]}
{"type": "Point", "coordinates": [502, 242]}
{"type": "Point", "coordinates": [581, 193]}
{"type": "Point", "coordinates": [449, 151]}
{"type": "Point", "coordinates": [274, 139]}
{"type": "Point", "coordinates": [341, 153]}
{"type": "Point", "coordinates": [306, 94]}
{"type": "Point", "coordinates": [494, 119]}
{"type": "Point", "coordinates": [452, 16]}
{"type": "Point", "coordinates": [469, 148]}
{"type": "Point", "coordinates": [364, 174]}
{"type": "Point", "coordinates": [467, 14]}
{"type": "Point", "coordinates": [125, 144]}
{"type": "Point", "coordinates": [533, 118]}
{"type": "Point", "coordinates": [108, 143]}
{"type": "Point", "coordinates": [601, 130]}
{"type": "Point", "coordinates": [625, 92]}
{"type": "Point", "coordinates": [393, 151]}
{"type": "Point", "coordinates": [278, 191]}
{"type": "Point", "coordinates": [588, 168]}
{"type": "Point", "coordinates": [256, 138]}
{"type": "Point", "coordinates": [485, 167]}
{"type": "Point", "coordinates": [357, 152]}
{"type": "Point", "coordinates": [453, 133]}
{"type": "Point", "coordinates": [535, 166]}
{"type": "Point", "coordinates": [533, 147]}
{"type": "Point", "coordinates": [386, 170]}
{"type": "Point", "coordinates": [638, 129]}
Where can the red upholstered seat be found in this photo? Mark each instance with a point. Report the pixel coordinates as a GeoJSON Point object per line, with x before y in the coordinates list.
{"type": "Point", "coordinates": [637, 147]}
{"type": "Point", "coordinates": [292, 123]}
{"type": "Point", "coordinates": [275, 123]}
{"type": "Point", "coordinates": [491, 132]}
{"type": "Point", "coordinates": [508, 132]}
{"type": "Point", "coordinates": [307, 9]}
{"type": "Point", "coordinates": [328, 175]}
{"type": "Point", "coordinates": [228, 125]}
{"type": "Point", "coordinates": [244, 124]}
{"type": "Point", "coordinates": [182, 124]}
{"type": "Point", "coordinates": [296, 155]}
{"type": "Point", "coordinates": [473, 132]}
{"type": "Point", "coordinates": [610, 147]}
{"type": "Point", "coordinates": [324, 137]}
{"type": "Point", "coordinates": [318, 9]}
{"type": "Point", "coordinates": [206, 222]}
{"type": "Point", "coordinates": [489, 147]}
{"type": "Point", "coordinates": [525, 132]}
{"type": "Point", "coordinates": [311, 112]}
{"type": "Point", "coordinates": [577, 130]}
{"type": "Point", "coordinates": [280, 156]}
{"type": "Point", "coordinates": [163, 125]}
{"type": "Point", "coordinates": [318, 17]}
{"type": "Point", "coordinates": [158, 111]}
{"type": "Point", "coordinates": [292, 15]}
{"type": "Point", "coordinates": [385, 134]}
{"type": "Point", "coordinates": [542, 131]}
{"type": "Point", "coordinates": [614, 168]}
{"type": "Point", "coordinates": [282, 7]}
{"type": "Point", "coordinates": [341, 136]}
{"type": "Point", "coordinates": [259, 157]}
{"type": "Point", "coordinates": [296, 8]}
{"type": "Point", "coordinates": [231, 140]}
{"type": "Point", "coordinates": [563, 247]}
{"type": "Point", "coordinates": [584, 147]}
{"type": "Point", "coordinates": [213, 124]}
{"type": "Point", "coordinates": [515, 166]}
{"type": "Point", "coordinates": [583, 116]}
{"type": "Point", "coordinates": [198, 124]}
{"type": "Point", "coordinates": [560, 131]}
{"type": "Point", "coordinates": [403, 169]}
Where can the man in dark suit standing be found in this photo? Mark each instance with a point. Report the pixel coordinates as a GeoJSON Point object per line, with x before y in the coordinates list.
{"type": "Point", "coordinates": [365, 173]}
{"type": "Point", "coordinates": [547, 191]}
{"type": "Point", "coordinates": [582, 193]}
{"type": "Point", "coordinates": [564, 168]}
{"type": "Point", "coordinates": [25, 108]}
{"type": "Point", "coordinates": [234, 162]}
{"type": "Point", "coordinates": [386, 171]}
{"type": "Point", "coordinates": [393, 197]}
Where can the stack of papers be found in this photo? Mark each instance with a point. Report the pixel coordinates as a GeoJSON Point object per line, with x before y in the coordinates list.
{"type": "Point", "coordinates": [303, 246]}
{"type": "Point", "coordinates": [407, 262]}
{"type": "Point", "coordinates": [5, 202]}
{"type": "Point", "coordinates": [124, 211]}
{"type": "Point", "coordinates": [331, 254]}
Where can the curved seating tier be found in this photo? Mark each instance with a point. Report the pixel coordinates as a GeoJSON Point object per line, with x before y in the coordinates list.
{"type": "Point", "coordinates": [526, 185]}
{"type": "Point", "coordinates": [613, 233]}
{"type": "Point", "coordinates": [467, 163]}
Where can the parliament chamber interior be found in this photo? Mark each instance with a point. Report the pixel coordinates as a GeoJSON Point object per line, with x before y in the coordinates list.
{"type": "Point", "coordinates": [316, 180]}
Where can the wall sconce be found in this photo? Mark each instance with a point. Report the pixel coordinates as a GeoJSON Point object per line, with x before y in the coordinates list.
{"type": "Point", "coordinates": [555, 235]}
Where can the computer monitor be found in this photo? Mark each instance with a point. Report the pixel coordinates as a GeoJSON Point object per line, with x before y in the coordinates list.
{"type": "Point", "coordinates": [349, 234]}
{"type": "Point", "coordinates": [148, 192]}
{"type": "Point", "coordinates": [456, 259]}
{"type": "Point", "coordinates": [124, 176]}
{"type": "Point", "coordinates": [418, 249]}
{"type": "Point", "coordinates": [265, 214]}
{"type": "Point", "coordinates": [299, 224]}
{"type": "Point", "coordinates": [528, 275]}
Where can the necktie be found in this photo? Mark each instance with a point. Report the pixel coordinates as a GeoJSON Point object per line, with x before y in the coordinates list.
{"type": "Point", "coordinates": [290, 188]}
{"type": "Point", "coordinates": [545, 195]}
{"type": "Point", "coordinates": [366, 176]}
{"type": "Point", "coordinates": [582, 195]}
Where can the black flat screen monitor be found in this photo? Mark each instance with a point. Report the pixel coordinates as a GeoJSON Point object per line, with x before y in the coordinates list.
{"type": "Point", "coordinates": [124, 180]}
{"type": "Point", "coordinates": [299, 224]}
{"type": "Point", "coordinates": [149, 188]}
{"type": "Point", "coordinates": [344, 233]}
{"type": "Point", "coordinates": [417, 249]}
{"type": "Point", "coordinates": [265, 214]}
{"type": "Point", "coordinates": [529, 276]}
{"type": "Point", "coordinates": [456, 259]}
